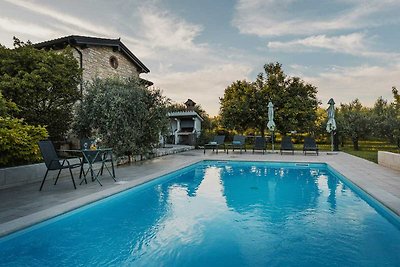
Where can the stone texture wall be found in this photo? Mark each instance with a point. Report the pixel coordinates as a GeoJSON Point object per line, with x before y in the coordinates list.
{"type": "Point", "coordinates": [96, 63]}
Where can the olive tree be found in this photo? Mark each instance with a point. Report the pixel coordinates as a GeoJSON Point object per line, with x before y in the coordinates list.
{"type": "Point", "coordinates": [124, 114]}
{"type": "Point", "coordinates": [354, 121]}
{"type": "Point", "coordinates": [385, 118]}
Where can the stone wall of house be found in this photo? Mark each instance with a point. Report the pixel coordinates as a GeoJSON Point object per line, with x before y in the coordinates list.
{"type": "Point", "coordinates": [96, 63]}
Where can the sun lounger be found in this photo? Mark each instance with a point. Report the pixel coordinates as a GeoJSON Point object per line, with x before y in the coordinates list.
{"type": "Point", "coordinates": [239, 142]}
{"type": "Point", "coordinates": [287, 145]}
{"type": "Point", "coordinates": [310, 145]}
{"type": "Point", "coordinates": [260, 144]}
{"type": "Point", "coordinates": [217, 142]}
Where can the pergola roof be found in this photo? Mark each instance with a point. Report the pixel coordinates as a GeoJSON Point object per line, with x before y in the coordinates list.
{"type": "Point", "coordinates": [184, 114]}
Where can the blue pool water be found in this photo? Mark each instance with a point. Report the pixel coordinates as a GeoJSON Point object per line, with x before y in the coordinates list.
{"type": "Point", "coordinates": [219, 214]}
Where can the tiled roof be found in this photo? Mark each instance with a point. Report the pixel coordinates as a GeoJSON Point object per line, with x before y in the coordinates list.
{"type": "Point", "coordinates": [76, 40]}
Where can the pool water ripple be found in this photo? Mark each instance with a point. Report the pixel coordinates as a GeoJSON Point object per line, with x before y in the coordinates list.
{"type": "Point", "coordinates": [219, 214]}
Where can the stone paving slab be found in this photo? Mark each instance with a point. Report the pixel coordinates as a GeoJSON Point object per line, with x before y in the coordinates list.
{"type": "Point", "coordinates": [22, 206]}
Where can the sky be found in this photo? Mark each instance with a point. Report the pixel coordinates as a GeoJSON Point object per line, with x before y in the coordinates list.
{"type": "Point", "coordinates": [196, 48]}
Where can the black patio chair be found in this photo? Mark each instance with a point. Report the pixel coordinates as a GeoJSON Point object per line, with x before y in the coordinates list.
{"type": "Point", "coordinates": [238, 142]}
{"type": "Point", "coordinates": [217, 142]}
{"type": "Point", "coordinates": [287, 145]}
{"type": "Point", "coordinates": [52, 161]}
{"type": "Point", "coordinates": [260, 144]}
{"type": "Point", "coordinates": [310, 145]}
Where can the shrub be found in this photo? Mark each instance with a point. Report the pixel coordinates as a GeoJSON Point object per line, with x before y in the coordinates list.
{"type": "Point", "coordinates": [19, 141]}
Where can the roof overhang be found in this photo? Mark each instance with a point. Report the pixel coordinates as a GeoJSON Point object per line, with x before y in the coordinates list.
{"type": "Point", "coordinates": [185, 114]}
{"type": "Point", "coordinates": [85, 41]}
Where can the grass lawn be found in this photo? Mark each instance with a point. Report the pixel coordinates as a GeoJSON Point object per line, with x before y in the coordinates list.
{"type": "Point", "coordinates": [368, 149]}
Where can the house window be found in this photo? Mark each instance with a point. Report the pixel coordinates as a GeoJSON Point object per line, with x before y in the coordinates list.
{"type": "Point", "coordinates": [113, 62]}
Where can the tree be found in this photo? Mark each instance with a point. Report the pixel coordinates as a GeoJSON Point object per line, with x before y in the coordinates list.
{"type": "Point", "coordinates": [236, 111]}
{"type": "Point", "coordinates": [6, 106]}
{"type": "Point", "coordinates": [386, 118]}
{"type": "Point", "coordinates": [320, 122]}
{"type": "Point", "coordinates": [295, 101]}
{"type": "Point", "coordinates": [245, 104]}
{"type": "Point", "coordinates": [354, 121]}
{"type": "Point", "coordinates": [43, 84]}
{"type": "Point", "coordinates": [124, 114]}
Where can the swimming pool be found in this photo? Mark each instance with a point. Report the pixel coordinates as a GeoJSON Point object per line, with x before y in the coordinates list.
{"type": "Point", "coordinates": [219, 214]}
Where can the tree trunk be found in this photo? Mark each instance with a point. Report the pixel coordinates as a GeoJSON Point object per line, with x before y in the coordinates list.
{"type": "Point", "coordinates": [336, 141]}
{"type": "Point", "coordinates": [355, 143]}
{"type": "Point", "coordinates": [262, 130]}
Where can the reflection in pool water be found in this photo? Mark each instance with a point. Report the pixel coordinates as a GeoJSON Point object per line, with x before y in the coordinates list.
{"type": "Point", "coordinates": [218, 214]}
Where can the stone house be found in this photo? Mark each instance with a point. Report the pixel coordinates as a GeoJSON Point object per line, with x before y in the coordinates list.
{"type": "Point", "coordinates": [100, 57]}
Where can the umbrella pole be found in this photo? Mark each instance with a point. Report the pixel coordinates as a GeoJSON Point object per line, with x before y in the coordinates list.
{"type": "Point", "coordinates": [331, 140]}
{"type": "Point", "coordinates": [273, 142]}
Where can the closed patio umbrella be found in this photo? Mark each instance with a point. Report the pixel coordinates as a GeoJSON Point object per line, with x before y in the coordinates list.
{"type": "Point", "coordinates": [331, 124]}
{"type": "Point", "coordinates": [271, 123]}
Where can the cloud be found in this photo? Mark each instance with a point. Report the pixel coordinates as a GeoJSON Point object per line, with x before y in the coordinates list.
{"type": "Point", "coordinates": [160, 34]}
{"type": "Point", "coordinates": [351, 43]}
{"type": "Point", "coordinates": [21, 27]}
{"type": "Point", "coordinates": [355, 44]}
{"type": "Point", "coordinates": [283, 17]}
{"type": "Point", "coordinates": [165, 42]}
{"type": "Point", "coordinates": [165, 30]}
{"type": "Point", "coordinates": [204, 86]}
{"type": "Point", "coordinates": [365, 82]}
{"type": "Point", "coordinates": [154, 28]}
{"type": "Point", "coordinates": [76, 22]}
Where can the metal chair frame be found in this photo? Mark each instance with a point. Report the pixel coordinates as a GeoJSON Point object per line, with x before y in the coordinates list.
{"type": "Point", "coordinates": [52, 162]}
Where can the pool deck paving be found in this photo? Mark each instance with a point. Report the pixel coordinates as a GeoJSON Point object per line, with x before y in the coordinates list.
{"type": "Point", "coordinates": [24, 205]}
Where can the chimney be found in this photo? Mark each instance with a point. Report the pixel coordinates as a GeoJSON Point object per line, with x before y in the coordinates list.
{"type": "Point", "coordinates": [190, 105]}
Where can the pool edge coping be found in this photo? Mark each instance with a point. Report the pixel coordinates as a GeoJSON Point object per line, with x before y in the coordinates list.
{"type": "Point", "coordinates": [27, 221]}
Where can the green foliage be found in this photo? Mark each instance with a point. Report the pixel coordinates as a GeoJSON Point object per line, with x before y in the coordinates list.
{"type": "Point", "coordinates": [127, 116]}
{"type": "Point", "coordinates": [295, 101]}
{"type": "Point", "coordinates": [205, 137]}
{"type": "Point", "coordinates": [354, 121]}
{"type": "Point", "coordinates": [320, 123]}
{"type": "Point", "coordinates": [235, 110]}
{"type": "Point", "coordinates": [42, 83]}
{"type": "Point", "coordinates": [19, 141]}
{"type": "Point", "coordinates": [385, 118]}
{"type": "Point", "coordinates": [245, 104]}
{"type": "Point", "coordinates": [6, 107]}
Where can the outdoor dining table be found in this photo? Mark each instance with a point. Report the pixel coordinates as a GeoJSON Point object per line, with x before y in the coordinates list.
{"type": "Point", "coordinates": [92, 156]}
